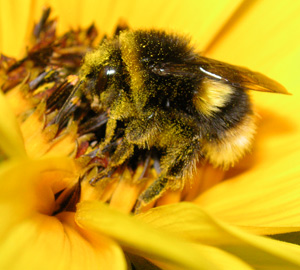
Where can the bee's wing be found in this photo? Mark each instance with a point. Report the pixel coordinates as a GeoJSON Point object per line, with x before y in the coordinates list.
{"type": "Point", "coordinates": [236, 76]}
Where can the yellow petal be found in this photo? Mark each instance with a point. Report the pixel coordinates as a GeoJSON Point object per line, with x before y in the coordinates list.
{"type": "Point", "coordinates": [15, 15]}
{"type": "Point", "coordinates": [29, 186]}
{"type": "Point", "coordinates": [219, 259]}
{"type": "Point", "coordinates": [267, 42]}
{"type": "Point", "coordinates": [261, 193]}
{"type": "Point", "coordinates": [126, 193]}
{"type": "Point", "coordinates": [40, 141]}
{"type": "Point", "coordinates": [46, 242]}
{"type": "Point", "coordinates": [31, 237]}
{"type": "Point", "coordinates": [11, 141]}
{"type": "Point", "coordinates": [189, 221]}
{"type": "Point", "coordinates": [194, 17]}
{"type": "Point", "coordinates": [267, 33]}
{"type": "Point", "coordinates": [264, 199]}
{"type": "Point", "coordinates": [141, 239]}
{"type": "Point", "coordinates": [15, 190]}
{"type": "Point", "coordinates": [17, 99]}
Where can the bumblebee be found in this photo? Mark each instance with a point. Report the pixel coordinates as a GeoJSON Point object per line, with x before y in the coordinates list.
{"type": "Point", "coordinates": [169, 97]}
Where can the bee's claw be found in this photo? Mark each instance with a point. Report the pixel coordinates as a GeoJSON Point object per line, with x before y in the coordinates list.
{"type": "Point", "coordinates": [107, 173]}
{"type": "Point", "coordinates": [138, 207]}
{"type": "Point", "coordinates": [151, 194]}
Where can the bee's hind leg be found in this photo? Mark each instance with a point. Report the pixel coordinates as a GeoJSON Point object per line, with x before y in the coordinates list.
{"type": "Point", "coordinates": [153, 192]}
{"type": "Point", "coordinates": [122, 153]}
{"type": "Point", "coordinates": [177, 167]}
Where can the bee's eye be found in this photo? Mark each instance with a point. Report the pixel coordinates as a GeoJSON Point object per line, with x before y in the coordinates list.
{"type": "Point", "coordinates": [104, 75]}
{"type": "Point", "coordinates": [109, 71]}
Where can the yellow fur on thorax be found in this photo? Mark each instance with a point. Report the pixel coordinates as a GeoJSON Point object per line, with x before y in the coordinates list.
{"type": "Point", "coordinates": [130, 57]}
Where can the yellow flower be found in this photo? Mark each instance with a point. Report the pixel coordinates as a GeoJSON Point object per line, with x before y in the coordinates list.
{"type": "Point", "coordinates": [40, 228]}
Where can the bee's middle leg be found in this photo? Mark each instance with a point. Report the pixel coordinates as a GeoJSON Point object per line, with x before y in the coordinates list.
{"type": "Point", "coordinates": [137, 133]}
{"type": "Point", "coordinates": [123, 151]}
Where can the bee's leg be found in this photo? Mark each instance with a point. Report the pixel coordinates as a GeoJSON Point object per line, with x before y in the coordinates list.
{"type": "Point", "coordinates": [137, 133]}
{"type": "Point", "coordinates": [105, 174]}
{"type": "Point", "coordinates": [142, 133]}
{"type": "Point", "coordinates": [177, 166]}
{"type": "Point", "coordinates": [111, 126]}
{"type": "Point", "coordinates": [153, 192]}
{"type": "Point", "coordinates": [122, 153]}
{"type": "Point", "coordinates": [93, 124]}
{"type": "Point", "coordinates": [121, 109]}
{"type": "Point", "coordinates": [180, 160]}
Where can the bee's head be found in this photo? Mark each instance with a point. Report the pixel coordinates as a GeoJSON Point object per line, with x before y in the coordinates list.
{"type": "Point", "coordinates": [101, 74]}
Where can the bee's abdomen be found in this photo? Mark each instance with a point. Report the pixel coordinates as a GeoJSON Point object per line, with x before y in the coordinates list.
{"type": "Point", "coordinates": [227, 124]}
{"type": "Point", "coordinates": [220, 106]}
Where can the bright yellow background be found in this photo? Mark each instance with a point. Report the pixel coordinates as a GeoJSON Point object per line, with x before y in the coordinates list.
{"type": "Point", "coordinates": [263, 35]}
{"type": "Point", "coordinates": [201, 19]}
